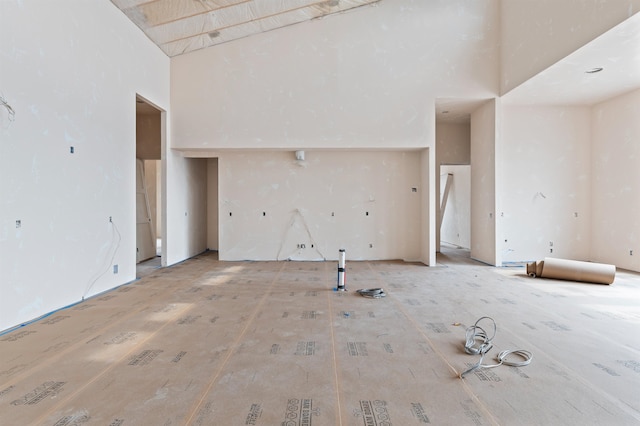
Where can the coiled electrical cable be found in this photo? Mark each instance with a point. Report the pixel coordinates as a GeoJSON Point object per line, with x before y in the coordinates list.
{"type": "Point", "coordinates": [373, 293]}
{"type": "Point", "coordinates": [479, 342]}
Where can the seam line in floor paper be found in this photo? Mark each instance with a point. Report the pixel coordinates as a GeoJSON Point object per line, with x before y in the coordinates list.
{"type": "Point", "coordinates": [235, 345]}
{"type": "Point", "coordinates": [104, 371]}
{"type": "Point", "coordinates": [465, 386]}
{"type": "Point", "coordinates": [333, 348]}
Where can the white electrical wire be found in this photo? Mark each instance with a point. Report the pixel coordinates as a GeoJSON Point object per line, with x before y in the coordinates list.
{"type": "Point", "coordinates": [10, 111]}
{"type": "Point", "coordinates": [478, 342]}
{"type": "Point", "coordinates": [116, 238]}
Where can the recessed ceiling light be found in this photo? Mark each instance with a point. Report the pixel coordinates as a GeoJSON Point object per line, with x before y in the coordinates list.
{"type": "Point", "coordinates": [594, 70]}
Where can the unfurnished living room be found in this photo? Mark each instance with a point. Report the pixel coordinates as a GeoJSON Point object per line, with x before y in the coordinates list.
{"type": "Point", "coordinates": [340, 212]}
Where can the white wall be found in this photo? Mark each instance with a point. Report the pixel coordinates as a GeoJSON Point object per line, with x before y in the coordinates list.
{"type": "Point", "coordinates": [186, 207]}
{"type": "Point", "coordinates": [615, 181]}
{"type": "Point", "coordinates": [538, 33]}
{"type": "Point", "coordinates": [364, 79]}
{"type": "Point", "coordinates": [323, 202]}
{"type": "Point", "coordinates": [70, 70]}
{"type": "Point", "coordinates": [483, 184]}
{"type": "Point", "coordinates": [546, 187]}
{"type": "Point", "coordinates": [456, 221]}
{"type": "Point", "coordinates": [212, 204]}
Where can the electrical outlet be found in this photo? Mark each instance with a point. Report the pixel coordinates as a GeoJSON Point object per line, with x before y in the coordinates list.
{"type": "Point", "coordinates": [18, 223]}
{"type": "Point", "coordinates": [110, 219]}
{"type": "Point", "coordinates": [630, 252]}
{"type": "Point", "coordinates": [115, 269]}
{"type": "Point", "coordinates": [370, 245]}
{"type": "Point", "coordinates": [303, 246]}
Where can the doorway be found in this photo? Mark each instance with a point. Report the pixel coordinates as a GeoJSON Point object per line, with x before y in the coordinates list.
{"type": "Point", "coordinates": [149, 232]}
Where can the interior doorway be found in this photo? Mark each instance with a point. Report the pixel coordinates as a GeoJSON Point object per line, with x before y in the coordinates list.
{"type": "Point", "coordinates": [455, 206]}
{"type": "Point", "coordinates": [149, 186]}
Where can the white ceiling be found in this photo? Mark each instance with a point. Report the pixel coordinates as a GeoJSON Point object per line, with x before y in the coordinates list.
{"type": "Point", "coordinates": [567, 83]}
{"type": "Point", "coordinates": [182, 26]}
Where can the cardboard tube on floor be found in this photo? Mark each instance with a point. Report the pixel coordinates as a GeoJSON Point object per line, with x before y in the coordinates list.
{"type": "Point", "coordinates": [574, 270]}
{"type": "Point", "coordinates": [534, 269]}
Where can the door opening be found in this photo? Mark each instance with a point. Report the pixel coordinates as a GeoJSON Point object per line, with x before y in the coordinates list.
{"type": "Point", "coordinates": [149, 232]}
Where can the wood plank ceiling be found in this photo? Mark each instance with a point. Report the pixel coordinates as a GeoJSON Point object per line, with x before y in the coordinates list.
{"type": "Point", "coordinates": [182, 26]}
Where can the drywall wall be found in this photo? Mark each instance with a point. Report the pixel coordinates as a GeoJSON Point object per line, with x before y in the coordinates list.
{"type": "Point", "coordinates": [186, 207]}
{"type": "Point", "coordinates": [453, 143]}
{"type": "Point", "coordinates": [148, 136]}
{"type": "Point", "coordinates": [484, 122]}
{"type": "Point", "coordinates": [615, 182]}
{"type": "Point", "coordinates": [546, 203]}
{"type": "Point", "coordinates": [363, 79]}
{"type": "Point", "coordinates": [428, 207]}
{"type": "Point", "coordinates": [453, 146]}
{"type": "Point", "coordinates": [537, 33]}
{"type": "Point", "coordinates": [70, 71]}
{"type": "Point", "coordinates": [366, 79]}
{"type": "Point", "coordinates": [151, 178]}
{"type": "Point", "coordinates": [456, 221]}
{"type": "Point", "coordinates": [212, 204]}
{"type": "Point", "coordinates": [361, 201]}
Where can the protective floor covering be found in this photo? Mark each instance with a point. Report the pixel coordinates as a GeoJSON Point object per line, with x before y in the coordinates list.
{"type": "Point", "coordinates": [270, 343]}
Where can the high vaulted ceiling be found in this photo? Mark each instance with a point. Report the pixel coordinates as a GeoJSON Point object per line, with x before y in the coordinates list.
{"type": "Point", "coordinates": [182, 26]}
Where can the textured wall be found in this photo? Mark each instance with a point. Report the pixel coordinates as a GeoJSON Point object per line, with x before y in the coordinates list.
{"type": "Point", "coordinates": [360, 201]}
{"type": "Point", "coordinates": [615, 181]}
{"type": "Point", "coordinates": [546, 191]}
{"type": "Point", "coordinates": [456, 221]}
{"type": "Point", "coordinates": [71, 71]}
{"type": "Point", "coordinates": [364, 79]}
{"type": "Point", "coordinates": [483, 183]}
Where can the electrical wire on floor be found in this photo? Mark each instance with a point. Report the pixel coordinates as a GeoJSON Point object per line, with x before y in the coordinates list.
{"type": "Point", "coordinates": [372, 293]}
{"type": "Point", "coordinates": [478, 342]}
{"type": "Point", "coordinates": [116, 238]}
